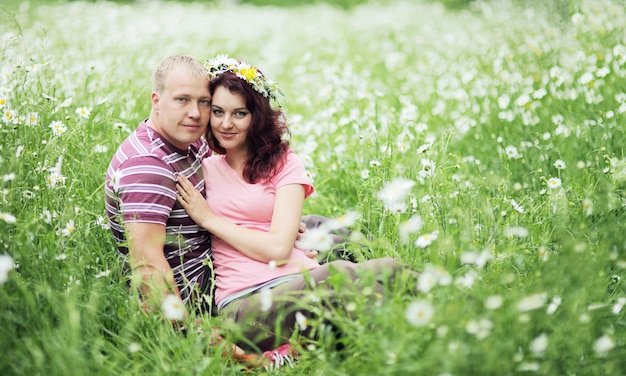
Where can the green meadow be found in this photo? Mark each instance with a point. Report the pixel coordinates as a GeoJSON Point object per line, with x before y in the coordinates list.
{"type": "Point", "coordinates": [483, 144]}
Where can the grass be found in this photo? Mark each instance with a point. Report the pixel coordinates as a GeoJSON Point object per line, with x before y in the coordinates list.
{"type": "Point", "coordinates": [482, 108]}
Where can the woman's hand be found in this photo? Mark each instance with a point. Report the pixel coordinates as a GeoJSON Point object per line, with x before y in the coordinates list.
{"type": "Point", "coordinates": [193, 202]}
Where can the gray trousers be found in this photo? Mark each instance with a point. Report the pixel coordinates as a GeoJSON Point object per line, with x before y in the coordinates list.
{"type": "Point", "coordinates": [266, 329]}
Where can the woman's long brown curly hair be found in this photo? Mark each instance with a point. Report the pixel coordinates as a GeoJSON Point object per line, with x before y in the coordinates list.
{"type": "Point", "coordinates": [268, 134]}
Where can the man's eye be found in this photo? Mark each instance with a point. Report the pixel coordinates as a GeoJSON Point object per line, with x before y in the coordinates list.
{"type": "Point", "coordinates": [205, 102]}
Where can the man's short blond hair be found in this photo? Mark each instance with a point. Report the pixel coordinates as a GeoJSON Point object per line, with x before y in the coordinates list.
{"type": "Point", "coordinates": [191, 64]}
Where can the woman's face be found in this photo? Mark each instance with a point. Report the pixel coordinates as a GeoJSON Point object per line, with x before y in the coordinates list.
{"type": "Point", "coordinates": [230, 119]}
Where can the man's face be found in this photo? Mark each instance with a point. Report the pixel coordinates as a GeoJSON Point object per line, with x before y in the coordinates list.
{"type": "Point", "coordinates": [182, 108]}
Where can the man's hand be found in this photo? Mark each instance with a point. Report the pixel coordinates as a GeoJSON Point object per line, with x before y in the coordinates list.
{"type": "Point", "coordinates": [307, 252]}
{"type": "Point", "coordinates": [310, 253]}
{"type": "Point", "coordinates": [156, 279]}
{"type": "Point", "coordinates": [301, 229]}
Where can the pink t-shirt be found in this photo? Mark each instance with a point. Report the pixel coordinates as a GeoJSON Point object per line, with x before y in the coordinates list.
{"type": "Point", "coordinates": [251, 206]}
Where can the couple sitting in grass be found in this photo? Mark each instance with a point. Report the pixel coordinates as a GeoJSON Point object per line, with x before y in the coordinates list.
{"type": "Point", "coordinates": [207, 189]}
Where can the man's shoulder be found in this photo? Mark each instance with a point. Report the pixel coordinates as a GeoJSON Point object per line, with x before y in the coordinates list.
{"type": "Point", "coordinates": [137, 146]}
{"type": "Point", "coordinates": [145, 145]}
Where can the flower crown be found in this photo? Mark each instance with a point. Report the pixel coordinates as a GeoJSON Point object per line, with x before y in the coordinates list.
{"type": "Point", "coordinates": [222, 64]}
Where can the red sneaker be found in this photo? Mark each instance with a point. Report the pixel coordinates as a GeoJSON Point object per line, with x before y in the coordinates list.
{"type": "Point", "coordinates": [282, 355]}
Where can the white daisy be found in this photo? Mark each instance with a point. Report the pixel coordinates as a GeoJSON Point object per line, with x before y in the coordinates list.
{"type": "Point", "coordinates": [317, 238]}
{"type": "Point", "coordinates": [493, 302]}
{"type": "Point", "coordinates": [539, 345]}
{"type": "Point", "coordinates": [173, 308]}
{"type": "Point", "coordinates": [517, 231]}
{"type": "Point", "coordinates": [302, 321]}
{"type": "Point", "coordinates": [603, 345]}
{"type": "Point", "coordinates": [532, 302]}
{"type": "Point", "coordinates": [419, 313]}
{"type": "Point", "coordinates": [6, 265]}
{"type": "Point", "coordinates": [7, 217]}
{"type": "Point", "coordinates": [554, 183]}
{"type": "Point", "coordinates": [559, 164]}
{"type": "Point", "coordinates": [425, 240]}
{"type": "Point", "coordinates": [265, 299]}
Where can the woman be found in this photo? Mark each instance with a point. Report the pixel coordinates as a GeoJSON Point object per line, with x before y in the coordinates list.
{"type": "Point", "coordinates": [255, 188]}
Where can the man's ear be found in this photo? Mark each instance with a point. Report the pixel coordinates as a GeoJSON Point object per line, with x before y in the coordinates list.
{"type": "Point", "coordinates": [155, 101]}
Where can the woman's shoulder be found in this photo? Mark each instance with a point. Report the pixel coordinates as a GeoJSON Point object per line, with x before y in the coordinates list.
{"type": "Point", "coordinates": [291, 158]}
{"type": "Point", "coordinates": [290, 155]}
{"type": "Point", "coordinates": [293, 166]}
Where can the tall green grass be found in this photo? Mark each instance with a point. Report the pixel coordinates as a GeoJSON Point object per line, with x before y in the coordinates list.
{"type": "Point", "coordinates": [481, 108]}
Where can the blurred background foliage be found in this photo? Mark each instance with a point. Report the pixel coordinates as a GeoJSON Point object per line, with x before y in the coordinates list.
{"type": "Point", "coordinates": [563, 8]}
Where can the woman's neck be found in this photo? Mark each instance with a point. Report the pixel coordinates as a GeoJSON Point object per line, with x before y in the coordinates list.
{"type": "Point", "coordinates": [236, 160]}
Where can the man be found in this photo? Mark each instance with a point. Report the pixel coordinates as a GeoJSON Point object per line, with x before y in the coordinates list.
{"type": "Point", "coordinates": [165, 247]}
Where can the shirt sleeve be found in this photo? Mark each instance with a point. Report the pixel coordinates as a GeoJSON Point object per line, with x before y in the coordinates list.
{"type": "Point", "coordinates": [293, 172]}
{"type": "Point", "coordinates": [146, 190]}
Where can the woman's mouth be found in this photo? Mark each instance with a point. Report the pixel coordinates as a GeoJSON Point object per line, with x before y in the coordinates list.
{"type": "Point", "coordinates": [228, 135]}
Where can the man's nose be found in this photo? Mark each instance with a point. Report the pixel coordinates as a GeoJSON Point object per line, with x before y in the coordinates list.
{"type": "Point", "coordinates": [194, 110]}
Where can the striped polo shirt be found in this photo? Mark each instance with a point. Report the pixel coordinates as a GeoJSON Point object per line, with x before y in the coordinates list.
{"type": "Point", "coordinates": [140, 186]}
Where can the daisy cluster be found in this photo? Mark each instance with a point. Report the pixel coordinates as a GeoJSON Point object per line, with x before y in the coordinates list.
{"type": "Point", "coordinates": [253, 76]}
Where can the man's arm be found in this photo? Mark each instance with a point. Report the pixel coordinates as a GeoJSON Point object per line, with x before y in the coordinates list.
{"type": "Point", "coordinates": [146, 243]}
